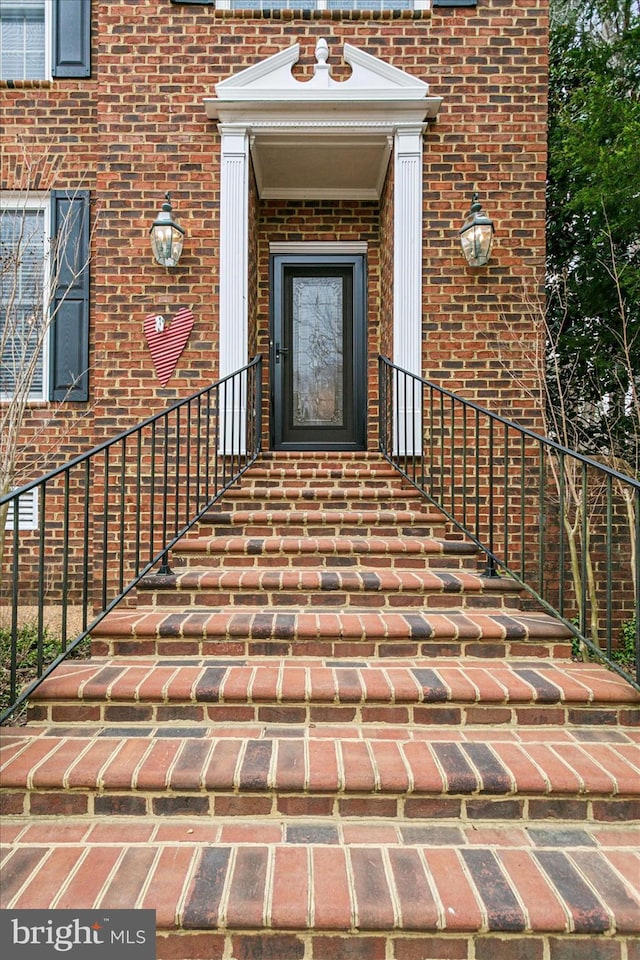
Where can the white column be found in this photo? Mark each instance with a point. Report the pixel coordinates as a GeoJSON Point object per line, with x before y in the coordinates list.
{"type": "Point", "coordinates": [234, 278]}
{"type": "Point", "coordinates": [407, 281]}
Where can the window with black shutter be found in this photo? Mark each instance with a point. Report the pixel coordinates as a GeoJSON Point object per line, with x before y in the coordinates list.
{"type": "Point", "coordinates": [69, 333]}
{"type": "Point", "coordinates": [40, 39]}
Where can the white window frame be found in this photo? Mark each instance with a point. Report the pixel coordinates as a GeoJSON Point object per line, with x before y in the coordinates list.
{"type": "Point", "coordinates": [38, 201]}
{"type": "Point", "coordinates": [48, 33]}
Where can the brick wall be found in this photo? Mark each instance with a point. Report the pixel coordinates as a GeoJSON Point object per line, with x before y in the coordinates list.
{"type": "Point", "coordinates": [490, 66]}
{"type": "Point", "coordinates": [49, 140]}
{"type": "Point", "coordinates": [138, 128]}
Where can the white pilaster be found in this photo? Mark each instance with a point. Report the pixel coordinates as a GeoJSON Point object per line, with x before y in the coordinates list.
{"type": "Point", "coordinates": [234, 248]}
{"type": "Point", "coordinates": [407, 280]}
{"type": "Point", "coordinates": [234, 272]}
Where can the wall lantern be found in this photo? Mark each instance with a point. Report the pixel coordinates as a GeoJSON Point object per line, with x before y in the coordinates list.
{"type": "Point", "coordinates": [167, 236]}
{"type": "Point", "coordinates": [476, 235]}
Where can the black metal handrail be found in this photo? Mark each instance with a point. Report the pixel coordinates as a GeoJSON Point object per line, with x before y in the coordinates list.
{"type": "Point", "coordinates": [106, 518]}
{"type": "Point", "coordinates": [563, 525]}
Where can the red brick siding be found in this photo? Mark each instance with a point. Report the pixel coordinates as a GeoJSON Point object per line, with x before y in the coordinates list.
{"type": "Point", "coordinates": [138, 128]}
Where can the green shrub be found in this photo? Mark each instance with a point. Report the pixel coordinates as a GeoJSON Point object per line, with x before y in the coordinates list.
{"type": "Point", "coordinates": [27, 657]}
{"type": "Point", "coordinates": [625, 654]}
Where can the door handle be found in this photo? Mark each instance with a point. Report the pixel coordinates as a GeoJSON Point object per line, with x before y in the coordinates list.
{"type": "Point", "coordinates": [280, 352]}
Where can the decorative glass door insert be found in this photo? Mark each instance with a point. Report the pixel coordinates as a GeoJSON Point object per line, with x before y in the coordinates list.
{"type": "Point", "coordinates": [318, 352]}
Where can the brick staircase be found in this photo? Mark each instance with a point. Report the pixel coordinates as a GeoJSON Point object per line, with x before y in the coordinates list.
{"type": "Point", "coordinates": [325, 735]}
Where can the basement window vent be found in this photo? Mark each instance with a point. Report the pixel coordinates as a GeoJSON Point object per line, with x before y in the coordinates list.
{"type": "Point", "coordinates": [27, 512]}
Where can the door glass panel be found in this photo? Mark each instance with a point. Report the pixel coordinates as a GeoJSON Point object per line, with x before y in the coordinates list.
{"type": "Point", "coordinates": [317, 342]}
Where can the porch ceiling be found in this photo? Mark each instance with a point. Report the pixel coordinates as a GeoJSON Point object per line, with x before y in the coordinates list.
{"type": "Point", "coordinates": [300, 164]}
{"type": "Point", "coordinates": [321, 138]}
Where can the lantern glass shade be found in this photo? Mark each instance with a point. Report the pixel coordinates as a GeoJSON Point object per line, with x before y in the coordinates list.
{"type": "Point", "coordinates": [167, 237]}
{"type": "Point", "coordinates": [476, 236]}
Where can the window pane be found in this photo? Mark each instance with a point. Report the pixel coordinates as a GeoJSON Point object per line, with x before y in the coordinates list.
{"type": "Point", "coordinates": [22, 40]}
{"type": "Point", "coordinates": [22, 323]}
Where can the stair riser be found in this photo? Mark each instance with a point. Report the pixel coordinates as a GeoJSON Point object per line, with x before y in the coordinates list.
{"type": "Point", "coordinates": [319, 715]}
{"type": "Point", "coordinates": [385, 483]}
{"type": "Point", "coordinates": [284, 528]}
{"type": "Point", "coordinates": [256, 805]}
{"type": "Point", "coordinates": [338, 599]}
{"type": "Point", "coordinates": [375, 945]}
{"type": "Point", "coordinates": [281, 508]}
{"type": "Point", "coordinates": [336, 647]}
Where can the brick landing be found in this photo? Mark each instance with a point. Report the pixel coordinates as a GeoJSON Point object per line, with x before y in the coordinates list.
{"type": "Point", "coordinates": [326, 735]}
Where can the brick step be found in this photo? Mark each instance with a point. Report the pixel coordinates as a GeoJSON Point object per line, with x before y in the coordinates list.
{"type": "Point", "coordinates": [317, 523]}
{"type": "Point", "coordinates": [284, 770]}
{"type": "Point", "coordinates": [172, 772]}
{"type": "Point", "coordinates": [452, 692]}
{"type": "Point", "coordinates": [338, 459]}
{"type": "Point", "coordinates": [309, 481]}
{"type": "Point", "coordinates": [324, 551]}
{"type": "Point", "coordinates": [330, 497]}
{"type": "Point", "coordinates": [322, 586]}
{"type": "Point", "coordinates": [228, 631]}
{"type": "Point", "coordinates": [303, 470]}
{"type": "Point", "coordinates": [364, 889]}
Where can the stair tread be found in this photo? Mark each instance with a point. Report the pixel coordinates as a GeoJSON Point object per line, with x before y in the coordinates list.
{"type": "Point", "coordinates": [329, 579]}
{"type": "Point", "coordinates": [327, 517]}
{"type": "Point", "coordinates": [348, 878]}
{"type": "Point", "coordinates": [254, 545]}
{"type": "Point", "coordinates": [421, 763]}
{"type": "Point", "coordinates": [421, 680]}
{"type": "Point", "coordinates": [317, 622]}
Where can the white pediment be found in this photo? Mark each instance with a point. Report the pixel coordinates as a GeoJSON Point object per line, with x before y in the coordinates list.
{"type": "Point", "coordinates": [321, 137]}
{"type": "Point", "coordinates": [271, 81]}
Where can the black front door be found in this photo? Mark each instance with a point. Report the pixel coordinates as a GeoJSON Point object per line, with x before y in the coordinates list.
{"type": "Point", "coordinates": [318, 353]}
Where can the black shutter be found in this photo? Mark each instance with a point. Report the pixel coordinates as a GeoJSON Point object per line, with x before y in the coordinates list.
{"type": "Point", "coordinates": [69, 335]}
{"type": "Point", "coordinates": [71, 38]}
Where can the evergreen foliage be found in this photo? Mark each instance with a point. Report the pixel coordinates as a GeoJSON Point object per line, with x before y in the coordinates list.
{"type": "Point", "coordinates": [593, 229]}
